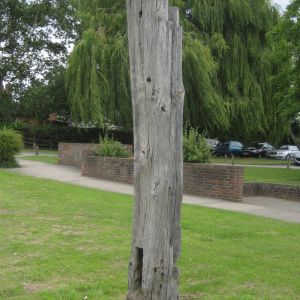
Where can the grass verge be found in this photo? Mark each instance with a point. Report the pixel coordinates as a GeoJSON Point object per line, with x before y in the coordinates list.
{"type": "Point", "coordinates": [272, 175]}
{"type": "Point", "coordinates": [248, 161]}
{"type": "Point", "coordinates": [41, 151]}
{"type": "Point", "coordinates": [60, 241]}
{"type": "Point", "coordinates": [42, 158]}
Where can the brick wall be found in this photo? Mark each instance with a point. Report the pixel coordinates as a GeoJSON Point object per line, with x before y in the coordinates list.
{"type": "Point", "coordinates": [72, 153]}
{"type": "Point", "coordinates": [216, 181]}
{"type": "Point", "coordinates": [110, 168]}
{"type": "Point", "coordinates": [222, 182]}
{"type": "Point", "coordinates": [286, 192]}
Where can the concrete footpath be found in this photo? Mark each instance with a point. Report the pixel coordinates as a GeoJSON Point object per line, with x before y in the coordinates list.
{"type": "Point", "coordinates": [259, 206]}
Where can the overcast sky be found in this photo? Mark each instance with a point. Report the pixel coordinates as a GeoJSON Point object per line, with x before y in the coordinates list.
{"type": "Point", "coordinates": [282, 3]}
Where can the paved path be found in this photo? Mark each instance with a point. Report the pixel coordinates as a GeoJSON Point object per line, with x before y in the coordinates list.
{"type": "Point", "coordinates": [259, 206]}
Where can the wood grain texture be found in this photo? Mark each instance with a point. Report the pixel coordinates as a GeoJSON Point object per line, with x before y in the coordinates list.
{"type": "Point", "coordinates": [155, 49]}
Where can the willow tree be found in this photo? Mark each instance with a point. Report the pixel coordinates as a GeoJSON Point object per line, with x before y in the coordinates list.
{"type": "Point", "coordinates": [227, 65]}
{"type": "Point", "coordinates": [98, 72]}
{"type": "Point", "coordinates": [98, 68]}
{"type": "Point", "coordinates": [236, 32]}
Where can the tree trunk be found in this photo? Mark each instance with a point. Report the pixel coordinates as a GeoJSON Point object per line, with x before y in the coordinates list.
{"type": "Point", "coordinates": [155, 50]}
{"type": "Point", "coordinates": [1, 85]}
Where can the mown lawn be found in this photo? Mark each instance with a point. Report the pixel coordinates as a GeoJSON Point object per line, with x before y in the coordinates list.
{"type": "Point", "coordinates": [273, 175]}
{"type": "Point", "coordinates": [43, 158]}
{"type": "Point", "coordinates": [41, 151]}
{"type": "Point", "coordinates": [60, 241]}
{"type": "Point", "coordinates": [248, 161]}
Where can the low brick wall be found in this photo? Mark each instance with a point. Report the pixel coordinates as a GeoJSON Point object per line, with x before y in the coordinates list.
{"type": "Point", "coordinates": [110, 168]}
{"type": "Point", "coordinates": [286, 192]}
{"type": "Point", "coordinates": [222, 182]}
{"type": "Point", "coordinates": [72, 153]}
{"type": "Point", "coordinates": [216, 181]}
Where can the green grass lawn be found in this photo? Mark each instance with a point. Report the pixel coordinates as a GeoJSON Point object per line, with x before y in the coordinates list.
{"type": "Point", "coordinates": [41, 151]}
{"type": "Point", "coordinates": [42, 158]}
{"type": "Point", "coordinates": [60, 241]}
{"type": "Point", "coordinates": [248, 161]}
{"type": "Point", "coordinates": [272, 175]}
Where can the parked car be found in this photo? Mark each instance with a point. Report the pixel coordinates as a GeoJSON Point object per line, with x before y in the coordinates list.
{"type": "Point", "coordinates": [257, 150]}
{"type": "Point", "coordinates": [297, 158]}
{"type": "Point", "coordinates": [229, 148]}
{"type": "Point", "coordinates": [284, 152]}
{"type": "Point", "coordinates": [212, 143]}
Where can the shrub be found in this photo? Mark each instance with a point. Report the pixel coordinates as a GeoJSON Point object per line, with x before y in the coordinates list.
{"type": "Point", "coordinates": [195, 147]}
{"type": "Point", "coordinates": [110, 148]}
{"type": "Point", "coordinates": [11, 143]}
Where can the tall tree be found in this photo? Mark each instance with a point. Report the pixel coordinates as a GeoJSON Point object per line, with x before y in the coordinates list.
{"type": "Point", "coordinates": [8, 108]}
{"type": "Point", "coordinates": [227, 65]}
{"type": "Point", "coordinates": [284, 94]}
{"type": "Point", "coordinates": [34, 36]}
{"type": "Point", "coordinates": [42, 98]}
{"type": "Point", "coordinates": [155, 51]}
{"type": "Point", "coordinates": [291, 28]}
{"type": "Point", "coordinates": [236, 34]}
{"type": "Point", "coordinates": [98, 72]}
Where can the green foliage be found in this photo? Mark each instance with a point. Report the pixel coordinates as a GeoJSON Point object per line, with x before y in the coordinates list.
{"type": "Point", "coordinates": [98, 70]}
{"type": "Point", "coordinates": [291, 28]}
{"type": "Point", "coordinates": [11, 143]}
{"type": "Point", "coordinates": [195, 147]}
{"type": "Point", "coordinates": [40, 99]}
{"type": "Point", "coordinates": [8, 107]}
{"type": "Point", "coordinates": [235, 32]}
{"type": "Point", "coordinates": [34, 38]}
{"type": "Point", "coordinates": [204, 106]}
{"type": "Point", "coordinates": [285, 37]}
{"type": "Point", "coordinates": [110, 148]}
{"type": "Point", "coordinates": [227, 66]}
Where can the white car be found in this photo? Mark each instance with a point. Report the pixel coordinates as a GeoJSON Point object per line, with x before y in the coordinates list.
{"type": "Point", "coordinates": [297, 158]}
{"type": "Point", "coordinates": [212, 143]}
{"type": "Point", "coordinates": [284, 152]}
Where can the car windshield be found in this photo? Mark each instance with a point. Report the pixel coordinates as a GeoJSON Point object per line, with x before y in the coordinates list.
{"type": "Point", "coordinates": [255, 145]}
{"type": "Point", "coordinates": [284, 148]}
{"type": "Point", "coordinates": [212, 142]}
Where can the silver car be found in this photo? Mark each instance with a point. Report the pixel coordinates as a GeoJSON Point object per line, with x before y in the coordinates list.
{"type": "Point", "coordinates": [297, 158]}
{"type": "Point", "coordinates": [284, 152]}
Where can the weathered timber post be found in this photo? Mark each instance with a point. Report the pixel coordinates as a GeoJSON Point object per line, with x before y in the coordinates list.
{"type": "Point", "coordinates": [155, 50]}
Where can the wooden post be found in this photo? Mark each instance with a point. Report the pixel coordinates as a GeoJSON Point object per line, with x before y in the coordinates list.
{"type": "Point", "coordinates": [155, 50]}
{"type": "Point", "coordinates": [232, 159]}
{"type": "Point", "coordinates": [34, 144]}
